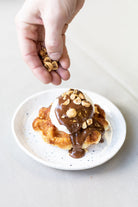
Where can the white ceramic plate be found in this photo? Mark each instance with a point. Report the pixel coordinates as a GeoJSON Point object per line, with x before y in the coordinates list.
{"type": "Point", "coordinates": [33, 145]}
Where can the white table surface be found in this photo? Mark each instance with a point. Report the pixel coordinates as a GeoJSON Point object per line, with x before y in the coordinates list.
{"type": "Point", "coordinates": [103, 45]}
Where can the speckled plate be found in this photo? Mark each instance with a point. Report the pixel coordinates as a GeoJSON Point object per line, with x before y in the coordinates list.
{"type": "Point", "coordinates": [33, 145]}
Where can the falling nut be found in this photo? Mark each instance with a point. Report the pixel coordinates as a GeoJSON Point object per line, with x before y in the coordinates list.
{"type": "Point", "coordinates": [73, 96]}
{"type": "Point", "coordinates": [66, 102]}
{"type": "Point", "coordinates": [81, 96]}
{"type": "Point", "coordinates": [85, 103]}
{"type": "Point", "coordinates": [49, 66]}
{"type": "Point", "coordinates": [84, 125]}
{"type": "Point", "coordinates": [89, 122]}
{"type": "Point", "coordinates": [71, 113]}
{"type": "Point", "coordinates": [55, 65]}
{"type": "Point", "coordinates": [77, 101]}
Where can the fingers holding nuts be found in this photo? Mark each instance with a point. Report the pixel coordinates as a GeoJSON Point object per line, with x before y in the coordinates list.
{"type": "Point", "coordinates": [48, 63]}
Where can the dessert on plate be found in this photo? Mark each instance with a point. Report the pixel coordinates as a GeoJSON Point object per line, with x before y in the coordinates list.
{"type": "Point", "coordinates": [72, 122]}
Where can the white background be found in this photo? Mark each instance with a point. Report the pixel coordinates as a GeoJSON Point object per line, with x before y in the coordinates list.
{"type": "Point", "coordinates": [103, 46]}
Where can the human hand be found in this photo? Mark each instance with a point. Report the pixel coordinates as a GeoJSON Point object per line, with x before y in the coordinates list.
{"type": "Point", "coordinates": [46, 21]}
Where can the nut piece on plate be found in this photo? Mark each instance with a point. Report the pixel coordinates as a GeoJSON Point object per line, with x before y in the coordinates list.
{"type": "Point", "coordinates": [71, 113]}
{"type": "Point", "coordinates": [46, 61]}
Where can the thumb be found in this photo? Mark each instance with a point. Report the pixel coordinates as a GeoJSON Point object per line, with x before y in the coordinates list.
{"type": "Point", "coordinates": [53, 38]}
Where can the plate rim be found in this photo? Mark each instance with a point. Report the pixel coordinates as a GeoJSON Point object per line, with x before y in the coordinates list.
{"type": "Point", "coordinates": [49, 164]}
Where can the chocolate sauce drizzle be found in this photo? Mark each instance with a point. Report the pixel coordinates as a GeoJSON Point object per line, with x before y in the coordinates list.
{"type": "Point", "coordinates": [74, 125]}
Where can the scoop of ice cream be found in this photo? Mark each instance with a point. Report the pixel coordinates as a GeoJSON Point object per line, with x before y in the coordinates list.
{"type": "Point", "coordinates": [54, 120]}
{"type": "Point", "coordinates": [72, 111]}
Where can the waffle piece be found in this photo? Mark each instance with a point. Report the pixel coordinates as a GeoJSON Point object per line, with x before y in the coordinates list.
{"type": "Point", "coordinates": [52, 135]}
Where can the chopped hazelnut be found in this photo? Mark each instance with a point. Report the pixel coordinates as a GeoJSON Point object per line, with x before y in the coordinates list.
{"type": "Point", "coordinates": [66, 102]}
{"type": "Point", "coordinates": [97, 124]}
{"type": "Point", "coordinates": [44, 49]}
{"type": "Point", "coordinates": [47, 59]}
{"type": "Point", "coordinates": [85, 103]}
{"type": "Point", "coordinates": [42, 53]}
{"type": "Point", "coordinates": [81, 96]}
{"type": "Point", "coordinates": [63, 94]}
{"type": "Point", "coordinates": [79, 114]}
{"type": "Point", "coordinates": [89, 122]}
{"type": "Point", "coordinates": [75, 91]}
{"type": "Point", "coordinates": [48, 65]}
{"type": "Point", "coordinates": [69, 92]}
{"type": "Point", "coordinates": [64, 97]}
{"type": "Point", "coordinates": [55, 65]}
{"type": "Point", "coordinates": [73, 96]}
{"type": "Point", "coordinates": [96, 110]}
{"type": "Point", "coordinates": [71, 113]}
{"type": "Point", "coordinates": [84, 125]}
{"type": "Point", "coordinates": [77, 101]}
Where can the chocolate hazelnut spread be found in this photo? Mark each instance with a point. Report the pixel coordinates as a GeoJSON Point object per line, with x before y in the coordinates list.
{"type": "Point", "coordinates": [76, 113]}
